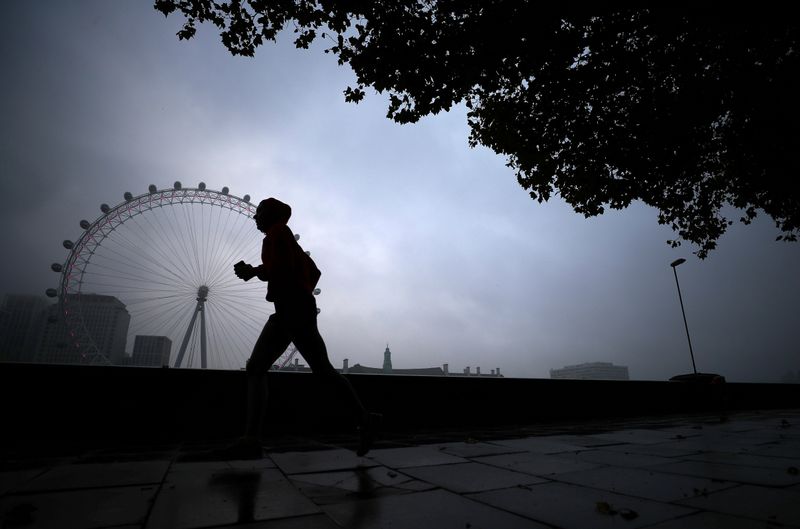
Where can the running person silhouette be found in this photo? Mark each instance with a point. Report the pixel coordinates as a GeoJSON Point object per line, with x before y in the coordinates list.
{"type": "Point", "coordinates": [291, 275]}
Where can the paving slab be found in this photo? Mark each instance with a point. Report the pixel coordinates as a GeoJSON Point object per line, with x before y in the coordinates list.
{"type": "Point", "coordinates": [536, 464]}
{"type": "Point", "coordinates": [635, 436]}
{"type": "Point", "coordinates": [541, 445]}
{"type": "Point", "coordinates": [574, 507]}
{"type": "Point", "coordinates": [362, 483]}
{"type": "Point", "coordinates": [620, 459]}
{"type": "Point", "coordinates": [774, 477]}
{"type": "Point", "coordinates": [478, 449]}
{"type": "Point", "coordinates": [88, 475]}
{"type": "Point", "coordinates": [77, 509]}
{"type": "Point", "coordinates": [713, 520]}
{"type": "Point", "coordinates": [471, 477]}
{"type": "Point", "coordinates": [16, 479]}
{"type": "Point", "coordinates": [438, 508]}
{"type": "Point", "coordinates": [783, 449]}
{"type": "Point", "coordinates": [415, 456]}
{"type": "Point", "coordinates": [211, 497]}
{"type": "Point", "coordinates": [763, 503]}
{"type": "Point", "coordinates": [653, 450]}
{"type": "Point", "coordinates": [590, 441]}
{"type": "Point", "coordinates": [643, 483]}
{"type": "Point", "coordinates": [313, 521]}
{"type": "Point", "coordinates": [746, 459]}
{"type": "Point", "coordinates": [319, 461]}
{"type": "Point", "coordinates": [716, 443]}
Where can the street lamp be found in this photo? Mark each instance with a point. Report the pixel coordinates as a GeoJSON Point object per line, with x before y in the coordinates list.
{"type": "Point", "coordinates": [674, 264]}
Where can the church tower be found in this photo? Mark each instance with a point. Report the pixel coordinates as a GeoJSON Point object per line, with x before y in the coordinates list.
{"type": "Point", "coordinates": [387, 360]}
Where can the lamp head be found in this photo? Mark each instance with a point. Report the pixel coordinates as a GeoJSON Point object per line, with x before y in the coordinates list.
{"type": "Point", "coordinates": [677, 262]}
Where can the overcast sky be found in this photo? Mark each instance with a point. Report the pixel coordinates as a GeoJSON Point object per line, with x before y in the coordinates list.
{"type": "Point", "coordinates": [424, 243]}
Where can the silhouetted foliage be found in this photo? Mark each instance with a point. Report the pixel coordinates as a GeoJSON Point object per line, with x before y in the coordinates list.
{"type": "Point", "coordinates": [688, 111]}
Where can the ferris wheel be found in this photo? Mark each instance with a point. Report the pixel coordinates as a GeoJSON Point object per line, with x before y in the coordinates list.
{"type": "Point", "coordinates": [167, 256]}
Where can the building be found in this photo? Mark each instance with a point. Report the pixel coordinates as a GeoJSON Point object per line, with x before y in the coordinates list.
{"type": "Point", "coordinates": [150, 351]}
{"type": "Point", "coordinates": [21, 320]}
{"type": "Point", "coordinates": [387, 360]}
{"type": "Point", "coordinates": [106, 320]}
{"type": "Point", "coordinates": [592, 371]}
{"type": "Point", "coordinates": [387, 369]}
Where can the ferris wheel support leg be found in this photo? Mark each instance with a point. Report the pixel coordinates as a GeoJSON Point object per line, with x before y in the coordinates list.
{"type": "Point", "coordinates": [202, 336]}
{"type": "Point", "coordinates": [186, 337]}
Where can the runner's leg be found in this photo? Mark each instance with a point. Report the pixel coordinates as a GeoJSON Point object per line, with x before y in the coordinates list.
{"type": "Point", "coordinates": [271, 343]}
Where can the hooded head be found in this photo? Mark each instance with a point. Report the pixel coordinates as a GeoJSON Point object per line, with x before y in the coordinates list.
{"type": "Point", "coordinates": [271, 211]}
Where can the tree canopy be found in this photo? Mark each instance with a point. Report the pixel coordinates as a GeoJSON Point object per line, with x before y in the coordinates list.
{"type": "Point", "coordinates": [694, 112]}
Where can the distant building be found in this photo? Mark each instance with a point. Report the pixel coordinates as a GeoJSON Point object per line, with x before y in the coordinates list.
{"type": "Point", "coordinates": [592, 371]}
{"type": "Point", "coordinates": [387, 360]}
{"type": "Point", "coordinates": [387, 369]}
{"type": "Point", "coordinates": [21, 319]}
{"type": "Point", "coordinates": [151, 351]}
{"type": "Point", "coordinates": [106, 320]}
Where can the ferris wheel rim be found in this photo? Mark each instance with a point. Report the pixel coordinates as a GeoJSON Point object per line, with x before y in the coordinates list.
{"type": "Point", "coordinates": [96, 232]}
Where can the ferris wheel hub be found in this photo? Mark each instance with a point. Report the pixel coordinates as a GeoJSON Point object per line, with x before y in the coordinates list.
{"type": "Point", "coordinates": [202, 293]}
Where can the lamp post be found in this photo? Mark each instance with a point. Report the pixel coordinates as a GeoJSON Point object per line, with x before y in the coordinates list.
{"type": "Point", "coordinates": [674, 264]}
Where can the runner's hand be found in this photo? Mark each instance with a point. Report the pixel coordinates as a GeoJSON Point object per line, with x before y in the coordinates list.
{"type": "Point", "coordinates": [244, 271]}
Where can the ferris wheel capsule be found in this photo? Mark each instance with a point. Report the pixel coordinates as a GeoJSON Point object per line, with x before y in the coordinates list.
{"type": "Point", "coordinates": [176, 185]}
{"type": "Point", "coordinates": [297, 236]}
{"type": "Point", "coordinates": [246, 198]}
{"type": "Point", "coordinates": [317, 292]}
{"type": "Point", "coordinates": [127, 196]}
{"type": "Point", "coordinates": [152, 188]}
{"type": "Point", "coordinates": [51, 293]}
{"type": "Point", "coordinates": [225, 190]}
{"type": "Point", "coordinates": [308, 253]}
{"type": "Point", "coordinates": [68, 244]}
{"type": "Point", "coordinates": [201, 186]}
{"type": "Point", "coordinates": [104, 208]}
{"type": "Point", "coordinates": [55, 267]}
{"type": "Point", "coordinates": [85, 224]}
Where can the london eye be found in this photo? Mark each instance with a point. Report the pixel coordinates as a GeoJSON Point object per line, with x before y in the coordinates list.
{"type": "Point", "coordinates": [168, 256]}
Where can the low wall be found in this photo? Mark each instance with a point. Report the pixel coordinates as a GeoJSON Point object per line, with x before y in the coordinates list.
{"type": "Point", "coordinates": [63, 402]}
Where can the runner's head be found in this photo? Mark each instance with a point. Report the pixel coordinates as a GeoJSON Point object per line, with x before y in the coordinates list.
{"type": "Point", "coordinates": [271, 211]}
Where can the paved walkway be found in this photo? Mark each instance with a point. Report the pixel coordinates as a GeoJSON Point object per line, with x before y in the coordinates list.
{"type": "Point", "coordinates": [699, 472]}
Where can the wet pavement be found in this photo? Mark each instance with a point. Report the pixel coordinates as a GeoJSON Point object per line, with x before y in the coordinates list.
{"type": "Point", "coordinates": [704, 471]}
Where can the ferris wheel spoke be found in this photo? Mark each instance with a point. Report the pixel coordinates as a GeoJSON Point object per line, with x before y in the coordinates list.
{"type": "Point", "coordinates": [224, 348]}
{"type": "Point", "coordinates": [242, 305]}
{"type": "Point", "coordinates": [243, 318]}
{"type": "Point", "coordinates": [182, 245]}
{"type": "Point", "coordinates": [120, 275]}
{"type": "Point", "coordinates": [227, 258]}
{"type": "Point", "coordinates": [240, 240]}
{"type": "Point", "coordinates": [174, 242]}
{"type": "Point", "coordinates": [118, 289]}
{"type": "Point", "coordinates": [190, 228]}
{"type": "Point", "coordinates": [233, 283]}
{"type": "Point", "coordinates": [128, 268]}
{"type": "Point", "coordinates": [155, 323]}
{"type": "Point", "coordinates": [157, 303]}
{"type": "Point", "coordinates": [236, 342]}
{"type": "Point", "coordinates": [240, 293]}
{"type": "Point", "coordinates": [132, 261]}
{"type": "Point", "coordinates": [189, 243]}
{"type": "Point", "coordinates": [217, 237]}
{"type": "Point", "coordinates": [229, 312]}
{"type": "Point", "coordinates": [207, 247]}
{"type": "Point", "coordinates": [154, 245]}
